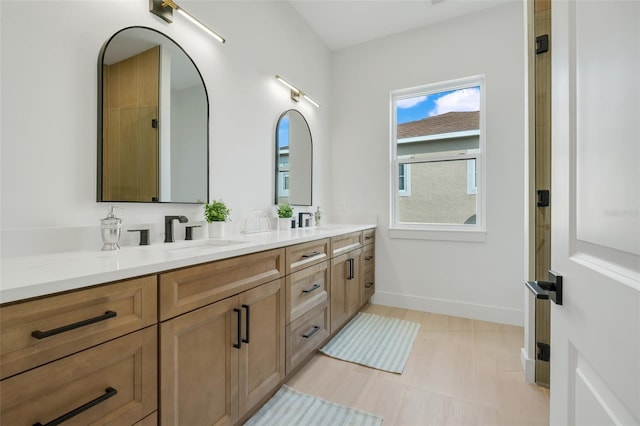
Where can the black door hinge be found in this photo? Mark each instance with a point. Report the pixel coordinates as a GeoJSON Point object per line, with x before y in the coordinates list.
{"type": "Point", "coordinates": [154, 123]}
{"type": "Point", "coordinates": [543, 198]}
{"type": "Point", "coordinates": [542, 43]}
{"type": "Point", "coordinates": [544, 351]}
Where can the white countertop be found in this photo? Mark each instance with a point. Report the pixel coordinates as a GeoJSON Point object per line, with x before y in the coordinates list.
{"type": "Point", "coordinates": [34, 276]}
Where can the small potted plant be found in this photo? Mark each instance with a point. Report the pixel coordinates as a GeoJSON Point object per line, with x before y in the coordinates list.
{"type": "Point", "coordinates": [216, 214]}
{"type": "Point", "coordinates": [285, 212]}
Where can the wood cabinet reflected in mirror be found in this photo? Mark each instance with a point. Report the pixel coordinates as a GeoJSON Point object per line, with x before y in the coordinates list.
{"type": "Point", "coordinates": [153, 121]}
{"type": "Point", "coordinates": [294, 160]}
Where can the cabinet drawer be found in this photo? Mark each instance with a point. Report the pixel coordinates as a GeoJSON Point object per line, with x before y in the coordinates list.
{"type": "Point", "coordinates": [190, 288]}
{"type": "Point", "coordinates": [369, 258]}
{"type": "Point", "coordinates": [344, 243]}
{"type": "Point", "coordinates": [368, 286]}
{"type": "Point", "coordinates": [306, 289]}
{"type": "Point", "coordinates": [304, 255]}
{"type": "Point", "coordinates": [119, 377]}
{"type": "Point", "coordinates": [70, 322]}
{"type": "Point", "coordinates": [368, 236]}
{"type": "Point", "coordinates": [306, 334]}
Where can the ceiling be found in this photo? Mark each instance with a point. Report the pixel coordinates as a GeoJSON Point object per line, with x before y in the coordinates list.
{"type": "Point", "coordinates": [345, 23]}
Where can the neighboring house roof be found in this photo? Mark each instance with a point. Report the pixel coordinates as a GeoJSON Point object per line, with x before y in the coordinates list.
{"type": "Point", "coordinates": [448, 122]}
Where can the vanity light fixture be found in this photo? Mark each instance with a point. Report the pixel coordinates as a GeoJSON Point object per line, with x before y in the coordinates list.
{"type": "Point", "coordinates": [297, 93]}
{"type": "Point", "coordinates": [164, 9]}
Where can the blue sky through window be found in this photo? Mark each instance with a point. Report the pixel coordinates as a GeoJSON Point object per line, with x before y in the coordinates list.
{"type": "Point", "coordinates": [419, 107]}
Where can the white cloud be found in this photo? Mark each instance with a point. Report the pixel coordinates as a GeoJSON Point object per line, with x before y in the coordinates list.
{"type": "Point", "coordinates": [410, 102]}
{"type": "Point", "coordinates": [467, 99]}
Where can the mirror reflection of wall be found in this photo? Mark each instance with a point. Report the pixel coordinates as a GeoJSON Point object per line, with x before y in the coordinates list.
{"type": "Point", "coordinates": [294, 160]}
{"type": "Point", "coordinates": [153, 126]}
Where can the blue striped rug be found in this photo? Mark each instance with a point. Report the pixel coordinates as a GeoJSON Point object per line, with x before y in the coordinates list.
{"type": "Point", "coordinates": [374, 341]}
{"type": "Point", "coordinates": [289, 407]}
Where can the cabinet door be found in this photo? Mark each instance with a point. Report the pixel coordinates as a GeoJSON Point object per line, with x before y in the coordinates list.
{"type": "Point", "coordinates": [199, 366]}
{"type": "Point", "coordinates": [354, 285]}
{"type": "Point", "coordinates": [262, 354]}
{"type": "Point", "coordinates": [346, 279]}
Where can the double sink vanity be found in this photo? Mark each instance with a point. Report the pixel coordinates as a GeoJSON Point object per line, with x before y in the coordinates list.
{"type": "Point", "coordinates": [188, 333]}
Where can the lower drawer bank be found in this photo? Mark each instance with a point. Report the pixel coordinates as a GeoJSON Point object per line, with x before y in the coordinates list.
{"type": "Point", "coordinates": [127, 353]}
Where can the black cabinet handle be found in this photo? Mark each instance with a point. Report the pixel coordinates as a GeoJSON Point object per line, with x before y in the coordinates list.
{"type": "Point", "coordinates": [368, 258]}
{"type": "Point", "coordinates": [313, 331]}
{"type": "Point", "coordinates": [351, 271]}
{"type": "Point", "coordinates": [368, 237]}
{"type": "Point", "coordinates": [43, 334]}
{"type": "Point", "coordinates": [312, 254]}
{"type": "Point", "coordinates": [311, 289]}
{"type": "Point", "coordinates": [239, 335]}
{"type": "Point", "coordinates": [248, 326]}
{"type": "Point", "coordinates": [368, 285]}
{"type": "Point", "coordinates": [108, 393]}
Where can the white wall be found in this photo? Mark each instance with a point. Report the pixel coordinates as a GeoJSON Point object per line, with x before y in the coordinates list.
{"type": "Point", "coordinates": [49, 53]}
{"type": "Point", "coordinates": [477, 280]}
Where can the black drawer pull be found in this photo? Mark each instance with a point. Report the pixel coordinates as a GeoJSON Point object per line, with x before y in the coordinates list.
{"type": "Point", "coordinates": [247, 326]}
{"type": "Point", "coordinates": [313, 331]}
{"type": "Point", "coordinates": [368, 285]}
{"type": "Point", "coordinates": [108, 393]}
{"type": "Point", "coordinates": [43, 334]}
{"type": "Point", "coordinates": [312, 254]}
{"type": "Point", "coordinates": [368, 258]}
{"type": "Point", "coordinates": [239, 335]}
{"type": "Point", "coordinates": [368, 237]}
{"type": "Point", "coordinates": [311, 289]}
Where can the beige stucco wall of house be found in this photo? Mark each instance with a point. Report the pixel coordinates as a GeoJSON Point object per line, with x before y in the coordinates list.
{"type": "Point", "coordinates": [438, 191]}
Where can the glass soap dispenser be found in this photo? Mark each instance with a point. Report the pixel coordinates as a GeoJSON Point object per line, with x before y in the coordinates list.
{"type": "Point", "coordinates": [110, 227]}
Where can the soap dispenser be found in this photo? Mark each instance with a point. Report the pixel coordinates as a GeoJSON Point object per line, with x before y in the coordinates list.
{"type": "Point", "coordinates": [110, 226]}
{"type": "Point", "coordinates": [317, 216]}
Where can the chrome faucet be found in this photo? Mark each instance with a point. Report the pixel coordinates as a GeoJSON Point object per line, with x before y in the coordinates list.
{"type": "Point", "coordinates": [301, 216]}
{"type": "Point", "coordinates": [168, 227]}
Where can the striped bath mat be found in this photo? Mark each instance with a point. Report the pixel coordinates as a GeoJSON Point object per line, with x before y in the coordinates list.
{"type": "Point", "coordinates": [375, 341]}
{"type": "Point", "coordinates": [290, 407]}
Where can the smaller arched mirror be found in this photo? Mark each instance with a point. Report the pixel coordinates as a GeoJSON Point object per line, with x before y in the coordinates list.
{"type": "Point", "coordinates": [294, 160]}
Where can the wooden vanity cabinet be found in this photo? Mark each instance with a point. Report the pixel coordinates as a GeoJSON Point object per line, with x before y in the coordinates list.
{"type": "Point", "coordinates": [346, 285]}
{"type": "Point", "coordinates": [369, 266]}
{"type": "Point", "coordinates": [218, 361]}
{"type": "Point", "coordinates": [89, 356]}
{"type": "Point", "coordinates": [307, 294]}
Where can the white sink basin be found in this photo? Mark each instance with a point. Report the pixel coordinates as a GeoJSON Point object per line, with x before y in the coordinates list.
{"type": "Point", "coordinates": [201, 244]}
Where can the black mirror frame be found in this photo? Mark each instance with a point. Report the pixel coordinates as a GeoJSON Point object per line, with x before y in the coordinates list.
{"type": "Point", "coordinates": [101, 115]}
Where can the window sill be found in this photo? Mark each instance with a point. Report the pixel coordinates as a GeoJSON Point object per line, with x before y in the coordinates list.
{"type": "Point", "coordinates": [472, 235]}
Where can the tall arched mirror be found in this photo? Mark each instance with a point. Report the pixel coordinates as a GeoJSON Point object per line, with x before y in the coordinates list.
{"type": "Point", "coordinates": [153, 121]}
{"type": "Point", "coordinates": [294, 160]}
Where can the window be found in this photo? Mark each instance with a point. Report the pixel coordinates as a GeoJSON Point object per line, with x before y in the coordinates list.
{"type": "Point", "coordinates": [437, 149]}
{"type": "Point", "coordinates": [404, 180]}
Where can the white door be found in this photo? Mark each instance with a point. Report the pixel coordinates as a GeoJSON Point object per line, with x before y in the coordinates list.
{"type": "Point", "coordinates": [595, 334]}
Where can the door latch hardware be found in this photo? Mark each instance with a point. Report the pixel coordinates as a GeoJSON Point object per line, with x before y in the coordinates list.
{"type": "Point", "coordinates": [542, 43]}
{"type": "Point", "coordinates": [543, 198]}
{"type": "Point", "coordinates": [154, 123]}
{"type": "Point", "coordinates": [544, 351]}
{"type": "Point", "coordinates": [551, 289]}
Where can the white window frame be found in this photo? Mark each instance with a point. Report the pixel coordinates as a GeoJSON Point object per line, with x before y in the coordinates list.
{"type": "Point", "coordinates": [435, 231]}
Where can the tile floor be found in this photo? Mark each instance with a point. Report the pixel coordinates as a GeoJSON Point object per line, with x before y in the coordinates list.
{"type": "Point", "coordinates": [460, 372]}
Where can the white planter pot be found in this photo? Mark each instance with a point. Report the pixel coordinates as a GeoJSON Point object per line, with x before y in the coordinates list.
{"type": "Point", "coordinates": [284, 223]}
{"type": "Point", "coordinates": [217, 229]}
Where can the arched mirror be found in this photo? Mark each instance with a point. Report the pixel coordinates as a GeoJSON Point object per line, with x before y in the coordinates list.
{"type": "Point", "coordinates": [294, 160]}
{"type": "Point", "coordinates": [153, 121]}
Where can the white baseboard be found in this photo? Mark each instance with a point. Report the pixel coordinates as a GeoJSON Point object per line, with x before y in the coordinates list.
{"type": "Point", "coordinates": [451, 307]}
{"type": "Point", "coordinates": [528, 366]}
